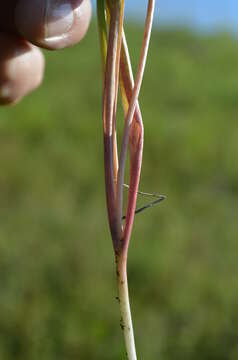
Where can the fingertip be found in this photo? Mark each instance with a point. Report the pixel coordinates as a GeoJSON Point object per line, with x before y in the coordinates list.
{"type": "Point", "coordinates": [21, 69]}
{"type": "Point", "coordinates": [53, 24]}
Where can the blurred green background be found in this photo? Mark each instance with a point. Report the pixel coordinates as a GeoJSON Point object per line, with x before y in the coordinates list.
{"type": "Point", "coordinates": [57, 283]}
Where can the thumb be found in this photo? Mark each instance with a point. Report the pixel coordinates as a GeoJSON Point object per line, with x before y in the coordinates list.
{"type": "Point", "coordinates": [53, 24]}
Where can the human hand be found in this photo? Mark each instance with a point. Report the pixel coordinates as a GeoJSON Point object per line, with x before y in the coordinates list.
{"type": "Point", "coordinates": [26, 25]}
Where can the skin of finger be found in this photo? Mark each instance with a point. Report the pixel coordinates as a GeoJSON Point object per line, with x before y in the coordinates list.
{"type": "Point", "coordinates": [21, 68]}
{"type": "Point", "coordinates": [30, 22]}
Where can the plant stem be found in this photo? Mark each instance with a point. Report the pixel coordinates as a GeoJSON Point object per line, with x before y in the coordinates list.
{"type": "Point", "coordinates": [117, 66]}
{"type": "Point", "coordinates": [109, 99]}
{"type": "Point", "coordinates": [123, 298]}
{"type": "Point", "coordinates": [132, 105]}
{"type": "Point", "coordinates": [102, 29]}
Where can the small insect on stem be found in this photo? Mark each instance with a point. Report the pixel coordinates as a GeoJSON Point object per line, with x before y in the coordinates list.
{"type": "Point", "coordinates": [159, 199]}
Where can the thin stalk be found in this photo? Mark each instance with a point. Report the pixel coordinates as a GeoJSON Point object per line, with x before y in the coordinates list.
{"type": "Point", "coordinates": [114, 60]}
{"type": "Point", "coordinates": [123, 295]}
{"type": "Point", "coordinates": [117, 70]}
{"type": "Point", "coordinates": [123, 298]}
{"type": "Point", "coordinates": [109, 98]}
{"type": "Point", "coordinates": [126, 87]}
{"type": "Point", "coordinates": [136, 140]}
{"type": "Point", "coordinates": [102, 29]}
{"type": "Point", "coordinates": [132, 106]}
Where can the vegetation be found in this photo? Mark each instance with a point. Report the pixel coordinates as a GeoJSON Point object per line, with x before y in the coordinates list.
{"type": "Point", "coordinates": [118, 77]}
{"type": "Point", "coordinates": [56, 268]}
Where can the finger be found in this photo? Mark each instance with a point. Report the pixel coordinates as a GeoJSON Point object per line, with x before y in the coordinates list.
{"type": "Point", "coordinates": [53, 24]}
{"type": "Point", "coordinates": [7, 19]}
{"type": "Point", "coordinates": [21, 68]}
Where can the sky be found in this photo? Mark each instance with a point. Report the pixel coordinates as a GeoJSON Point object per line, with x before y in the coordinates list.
{"type": "Point", "coordinates": [201, 14]}
{"type": "Point", "coordinates": [204, 15]}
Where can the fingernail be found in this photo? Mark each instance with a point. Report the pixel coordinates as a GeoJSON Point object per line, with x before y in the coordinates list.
{"type": "Point", "coordinates": [53, 24]}
{"type": "Point", "coordinates": [59, 18]}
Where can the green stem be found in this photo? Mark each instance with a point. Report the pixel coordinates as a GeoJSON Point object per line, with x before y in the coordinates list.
{"type": "Point", "coordinates": [123, 298]}
{"type": "Point", "coordinates": [102, 29]}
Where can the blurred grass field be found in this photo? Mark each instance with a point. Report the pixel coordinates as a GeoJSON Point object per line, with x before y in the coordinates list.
{"type": "Point", "coordinates": [57, 283]}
